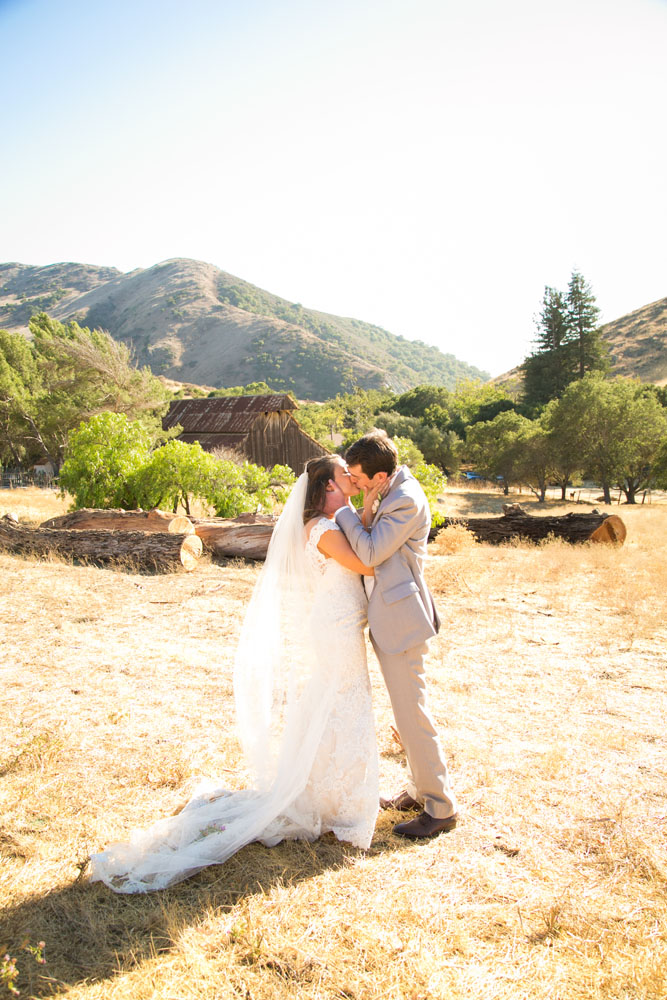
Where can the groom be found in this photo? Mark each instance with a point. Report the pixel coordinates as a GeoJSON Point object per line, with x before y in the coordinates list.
{"type": "Point", "coordinates": [402, 618]}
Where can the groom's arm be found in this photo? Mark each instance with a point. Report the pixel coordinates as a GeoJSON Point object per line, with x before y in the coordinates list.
{"type": "Point", "coordinates": [391, 530]}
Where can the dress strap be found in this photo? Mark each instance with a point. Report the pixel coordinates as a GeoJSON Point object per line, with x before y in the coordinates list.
{"type": "Point", "coordinates": [319, 529]}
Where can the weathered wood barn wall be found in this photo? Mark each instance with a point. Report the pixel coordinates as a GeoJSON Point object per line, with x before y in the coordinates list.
{"type": "Point", "coordinates": [261, 428]}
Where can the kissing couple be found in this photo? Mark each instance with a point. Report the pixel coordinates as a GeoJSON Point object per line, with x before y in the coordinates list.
{"type": "Point", "coordinates": [301, 684]}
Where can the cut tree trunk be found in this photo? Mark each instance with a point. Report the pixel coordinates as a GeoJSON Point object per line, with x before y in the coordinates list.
{"type": "Point", "coordinates": [122, 520]}
{"type": "Point", "coordinates": [247, 536]}
{"type": "Point", "coordinates": [162, 551]}
{"type": "Point", "coordinates": [516, 523]}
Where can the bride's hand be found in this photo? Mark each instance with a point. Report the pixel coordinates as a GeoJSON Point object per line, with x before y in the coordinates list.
{"type": "Point", "coordinates": [370, 496]}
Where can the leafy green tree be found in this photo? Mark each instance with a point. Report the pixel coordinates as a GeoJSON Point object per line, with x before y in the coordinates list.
{"type": "Point", "coordinates": [567, 441]}
{"type": "Point", "coordinates": [350, 414]}
{"type": "Point", "coordinates": [109, 463]}
{"type": "Point", "coordinates": [474, 402]}
{"type": "Point", "coordinates": [536, 458]}
{"type": "Point", "coordinates": [496, 446]}
{"type": "Point", "coordinates": [258, 489]}
{"type": "Point", "coordinates": [621, 431]}
{"type": "Point", "coordinates": [176, 473]}
{"type": "Point", "coordinates": [432, 482]}
{"type": "Point", "coordinates": [63, 376]}
{"type": "Point", "coordinates": [643, 426]}
{"type": "Point", "coordinates": [93, 369]}
{"type": "Point", "coordinates": [20, 383]}
{"type": "Point", "coordinates": [104, 456]}
{"type": "Point", "coordinates": [438, 447]}
{"type": "Point", "coordinates": [281, 480]}
{"type": "Point", "coordinates": [360, 408]}
{"type": "Point", "coordinates": [660, 467]}
{"type": "Point", "coordinates": [415, 402]}
{"type": "Point", "coordinates": [408, 452]}
{"type": "Point", "coordinates": [252, 389]}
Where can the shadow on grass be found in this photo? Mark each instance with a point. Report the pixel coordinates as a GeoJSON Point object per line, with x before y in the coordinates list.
{"type": "Point", "coordinates": [477, 503]}
{"type": "Point", "coordinates": [93, 934]}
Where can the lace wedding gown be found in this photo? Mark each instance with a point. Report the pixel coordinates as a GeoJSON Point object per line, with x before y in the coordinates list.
{"type": "Point", "coordinates": [327, 764]}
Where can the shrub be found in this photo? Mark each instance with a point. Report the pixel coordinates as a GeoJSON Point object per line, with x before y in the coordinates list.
{"type": "Point", "coordinates": [104, 455]}
{"type": "Point", "coordinates": [109, 464]}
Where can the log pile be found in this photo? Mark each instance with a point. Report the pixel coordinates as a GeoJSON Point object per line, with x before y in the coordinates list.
{"type": "Point", "coordinates": [516, 523]}
{"type": "Point", "coordinates": [246, 536]}
{"type": "Point", "coordinates": [123, 520]}
{"type": "Point", "coordinates": [157, 540]}
{"type": "Point", "coordinates": [163, 552]}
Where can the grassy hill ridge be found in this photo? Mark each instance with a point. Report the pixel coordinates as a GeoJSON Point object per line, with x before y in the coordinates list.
{"type": "Point", "coordinates": [638, 343]}
{"type": "Point", "coordinates": [191, 321]}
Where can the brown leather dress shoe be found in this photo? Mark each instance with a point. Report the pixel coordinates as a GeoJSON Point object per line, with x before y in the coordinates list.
{"type": "Point", "coordinates": [426, 826]}
{"type": "Point", "coordinates": [403, 802]}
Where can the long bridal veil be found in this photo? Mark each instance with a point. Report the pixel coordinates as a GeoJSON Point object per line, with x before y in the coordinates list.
{"type": "Point", "coordinates": [282, 705]}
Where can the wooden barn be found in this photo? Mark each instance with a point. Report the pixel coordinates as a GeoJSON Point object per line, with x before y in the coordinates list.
{"type": "Point", "coordinates": [261, 428]}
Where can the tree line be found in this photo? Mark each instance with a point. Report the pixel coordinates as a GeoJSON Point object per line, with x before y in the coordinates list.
{"type": "Point", "coordinates": [571, 421]}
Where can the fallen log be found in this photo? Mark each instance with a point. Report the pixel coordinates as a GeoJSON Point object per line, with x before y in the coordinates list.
{"type": "Point", "coordinates": [516, 523]}
{"type": "Point", "coordinates": [246, 536]}
{"type": "Point", "coordinates": [122, 520]}
{"type": "Point", "coordinates": [159, 551]}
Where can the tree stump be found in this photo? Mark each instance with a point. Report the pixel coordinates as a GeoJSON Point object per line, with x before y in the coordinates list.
{"type": "Point", "coordinates": [246, 536]}
{"type": "Point", "coordinates": [122, 520]}
{"type": "Point", "coordinates": [159, 551]}
{"type": "Point", "coordinates": [516, 523]}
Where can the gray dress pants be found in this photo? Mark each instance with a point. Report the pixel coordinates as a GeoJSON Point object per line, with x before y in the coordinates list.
{"type": "Point", "coordinates": [428, 780]}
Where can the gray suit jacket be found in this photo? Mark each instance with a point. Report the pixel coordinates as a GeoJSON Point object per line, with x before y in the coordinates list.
{"type": "Point", "coordinates": [401, 612]}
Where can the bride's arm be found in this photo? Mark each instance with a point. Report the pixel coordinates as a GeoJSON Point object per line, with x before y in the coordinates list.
{"type": "Point", "coordinates": [334, 544]}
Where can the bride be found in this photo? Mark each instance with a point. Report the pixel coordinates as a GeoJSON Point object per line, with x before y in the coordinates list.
{"type": "Point", "coordinates": [303, 704]}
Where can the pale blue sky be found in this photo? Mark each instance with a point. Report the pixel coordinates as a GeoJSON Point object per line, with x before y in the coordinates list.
{"type": "Point", "coordinates": [427, 165]}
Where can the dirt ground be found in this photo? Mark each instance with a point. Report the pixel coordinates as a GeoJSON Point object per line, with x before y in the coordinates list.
{"type": "Point", "coordinates": [548, 682]}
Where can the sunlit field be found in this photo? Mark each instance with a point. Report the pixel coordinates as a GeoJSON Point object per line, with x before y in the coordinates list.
{"type": "Point", "coordinates": [548, 682]}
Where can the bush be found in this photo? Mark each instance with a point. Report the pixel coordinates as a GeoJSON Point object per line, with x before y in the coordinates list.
{"type": "Point", "coordinates": [432, 481]}
{"type": "Point", "coordinates": [176, 472]}
{"type": "Point", "coordinates": [109, 464]}
{"type": "Point", "coordinates": [103, 457]}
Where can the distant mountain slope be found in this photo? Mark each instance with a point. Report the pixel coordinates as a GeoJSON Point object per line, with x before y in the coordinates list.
{"type": "Point", "coordinates": [25, 290]}
{"type": "Point", "coordinates": [637, 348]}
{"type": "Point", "coordinates": [192, 322]}
{"type": "Point", "coordinates": [638, 343]}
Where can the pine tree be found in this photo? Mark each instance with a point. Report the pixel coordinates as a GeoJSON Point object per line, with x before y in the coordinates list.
{"type": "Point", "coordinates": [552, 366]}
{"type": "Point", "coordinates": [582, 321]}
{"type": "Point", "coordinates": [568, 343]}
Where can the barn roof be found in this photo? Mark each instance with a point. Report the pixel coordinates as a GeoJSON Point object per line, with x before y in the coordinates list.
{"type": "Point", "coordinates": [210, 442]}
{"type": "Point", "coordinates": [223, 414]}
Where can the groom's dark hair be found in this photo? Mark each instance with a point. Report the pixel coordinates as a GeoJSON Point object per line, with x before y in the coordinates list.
{"type": "Point", "coordinates": [374, 452]}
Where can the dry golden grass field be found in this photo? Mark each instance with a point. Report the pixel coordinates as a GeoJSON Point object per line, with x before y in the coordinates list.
{"type": "Point", "coordinates": [548, 682]}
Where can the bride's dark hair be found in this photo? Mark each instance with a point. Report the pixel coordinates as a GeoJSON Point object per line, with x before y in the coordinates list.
{"type": "Point", "coordinates": [319, 471]}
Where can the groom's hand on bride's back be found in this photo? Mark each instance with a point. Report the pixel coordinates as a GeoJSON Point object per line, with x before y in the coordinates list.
{"type": "Point", "coordinates": [335, 499]}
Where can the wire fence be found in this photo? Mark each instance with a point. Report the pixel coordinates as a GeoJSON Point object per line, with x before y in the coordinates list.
{"type": "Point", "coordinates": [18, 480]}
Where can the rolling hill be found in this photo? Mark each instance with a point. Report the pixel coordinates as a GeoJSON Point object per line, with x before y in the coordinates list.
{"type": "Point", "coordinates": [638, 343]}
{"type": "Point", "coordinates": [192, 322]}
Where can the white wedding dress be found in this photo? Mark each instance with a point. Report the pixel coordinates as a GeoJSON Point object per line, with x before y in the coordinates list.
{"type": "Point", "coordinates": [319, 775]}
